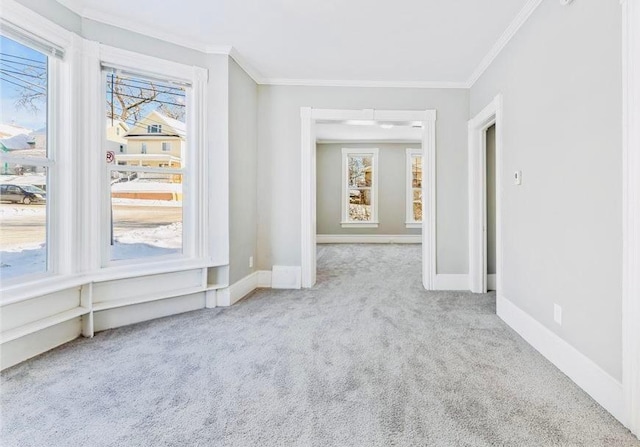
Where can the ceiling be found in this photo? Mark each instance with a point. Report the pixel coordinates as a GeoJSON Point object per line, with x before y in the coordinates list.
{"type": "Point", "coordinates": [322, 41]}
{"type": "Point", "coordinates": [333, 132]}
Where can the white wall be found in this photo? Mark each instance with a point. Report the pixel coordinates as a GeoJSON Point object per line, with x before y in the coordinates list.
{"type": "Point", "coordinates": [560, 77]}
{"type": "Point", "coordinates": [392, 188]}
{"type": "Point", "coordinates": [243, 171]}
{"type": "Point", "coordinates": [279, 163]}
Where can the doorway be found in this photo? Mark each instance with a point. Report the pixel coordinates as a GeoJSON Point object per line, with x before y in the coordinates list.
{"type": "Point", "coordinates": [485, 148]}
{"type": "Point", "coordinates": [490, 201]}
{"type": "Point", "coordinates": [310, 119]}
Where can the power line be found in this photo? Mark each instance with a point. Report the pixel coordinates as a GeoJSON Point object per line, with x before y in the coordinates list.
{"type": "Point", "coordinates": [152, 100]}
{"type": "Point", "coordinates": [23, 58]}
{"type": "Point", "coordinates": [44, 90]}
{"type": "Point", "coordinates": [145, 82]}
{"type": "Point", "coordinates": [20, 73]}
{"type": "Point", "coordinates": [19, 85]}
{"type": "Point", "coordinates": [7, 61]}
{"type": "Point", "coordinates": [149, 89]}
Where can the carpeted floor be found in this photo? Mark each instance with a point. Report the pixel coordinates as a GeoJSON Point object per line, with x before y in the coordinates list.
{"type": "Point", "coordinates": [366, 358]}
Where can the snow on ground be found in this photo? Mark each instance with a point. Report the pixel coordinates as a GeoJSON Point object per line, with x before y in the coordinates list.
{"type": "Point", "coordinates": [19, 262]}
{"type": "Point", "coordinates": [141, 202]}
{"type": "Point", "coordinates": [22, 210]}
{"type": "Point", "coordinates": [140, 243]}
{"type": "Point", "coordinates": [146, 186]}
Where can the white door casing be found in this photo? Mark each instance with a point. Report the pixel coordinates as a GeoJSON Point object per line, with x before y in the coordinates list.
{"type": "Point", "coordinates": [491, 114]}
{"type": "Point", "coordinates": [309, 118]}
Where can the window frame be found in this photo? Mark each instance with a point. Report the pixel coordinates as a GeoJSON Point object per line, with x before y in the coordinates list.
{"type": "Point", "coordinates": [346, 153]}
{"type": "Point", "coordinates": [194, 214]}
{"type": "Point", "coordinates": [410, 222]}
{"type": "Point", "coordinates": [75, 122]}
{"type": "Point", "coordinates": [58, 161]}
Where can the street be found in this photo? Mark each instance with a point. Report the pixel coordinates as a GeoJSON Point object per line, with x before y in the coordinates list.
{"type": "Point", "coordinates": [24, 225]}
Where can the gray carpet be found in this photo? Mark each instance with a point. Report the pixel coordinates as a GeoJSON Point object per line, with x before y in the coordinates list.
{"type": "Point", "coordinates": [366, 358]}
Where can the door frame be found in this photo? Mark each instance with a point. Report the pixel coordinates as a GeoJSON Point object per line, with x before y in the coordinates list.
{"type": "Point", "coordinates": [309, 118]}
{"type": "Point", "coordinates": [631, 212]}
{"type": "Point", "coordinates": [478, 125]}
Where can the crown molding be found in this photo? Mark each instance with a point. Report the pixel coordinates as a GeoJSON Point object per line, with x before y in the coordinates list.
{"type": "Point", "coordinates": [246, 66]}
{"type": "Point", "coordinates": [362, 83]}
{"type": "Point", "coordinates": [504, 39]}
{"type": "Point", "coordinates": [130, 24]}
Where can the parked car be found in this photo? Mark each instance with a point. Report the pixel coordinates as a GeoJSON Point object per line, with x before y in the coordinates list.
{"type": "Point", "coordinates": [26, 194]}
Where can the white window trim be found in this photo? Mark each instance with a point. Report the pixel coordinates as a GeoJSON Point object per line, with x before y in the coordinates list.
{"type": "Point", "coordinates": [345, 222]}
{"type": "Point", "coordinates": [194, 234]}
{"type": "Point", "coordinates": [74, 243]}
{"type": "Point", "coordinates": [59, 160]}
{"type": "Point", "coordinates": [410, 222]}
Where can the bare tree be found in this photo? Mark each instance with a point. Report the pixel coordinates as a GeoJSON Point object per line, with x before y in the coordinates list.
{"type": "Point", "coordinates": [177, 112]}
{"type": "Point", "coordinates": [125, 99]}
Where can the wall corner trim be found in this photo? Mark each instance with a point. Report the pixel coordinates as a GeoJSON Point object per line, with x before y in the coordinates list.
{"type": "Point", "coordinates": [596, 382]}
{"type": "Point", "coordinates": [243, 287]}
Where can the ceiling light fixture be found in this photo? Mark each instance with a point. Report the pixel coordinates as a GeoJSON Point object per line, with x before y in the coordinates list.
{"type": "Point", "coordinates": [360, 122]}
{"type": "Point", "coordinates": [386, 126]}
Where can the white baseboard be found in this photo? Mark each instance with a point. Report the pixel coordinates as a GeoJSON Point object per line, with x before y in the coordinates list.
{"type": "Point", "coordinates": [36, 343]}
{"type": "Point", "coordinates": [445, 281]}
{"type": "Point", "coordinates": [491, 282]}
{"type": "Point", "coordinates": [603, 388]}
{"type": "Point", "coordinates": [238, 290]}
{"type": "Point", "coordinates": [286, 277]}
{"type": "Point", "coordinates": [264, 279]}
{"type": "Point", "coordinates": [369, 239]}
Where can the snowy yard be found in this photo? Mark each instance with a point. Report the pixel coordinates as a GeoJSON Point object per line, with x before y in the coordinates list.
{"type": "Point", "coordinates": [141, 229]}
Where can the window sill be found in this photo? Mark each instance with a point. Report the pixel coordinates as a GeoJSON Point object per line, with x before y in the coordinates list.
{"type": "Point", "coordinates": [359, 224]}
{"type": "Point", "coordinates": [413, 224]}
{"type": "Point", "coordinates": [138, 267]}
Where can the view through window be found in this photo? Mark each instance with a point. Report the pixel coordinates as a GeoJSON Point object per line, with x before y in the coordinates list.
{"type": "Point", "coordinates": [358, 189]}
{"type": "Point", "coordinates": [24, 158]}
{"type": "Point", "coordinates": [415, 187]}
{"type": "Point", "coordinates": [145, 149]}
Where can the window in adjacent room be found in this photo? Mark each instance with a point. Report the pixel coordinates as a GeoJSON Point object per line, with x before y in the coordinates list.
{"type": "Point", "coordinates": [359, 187]}
{"type": "Point", "coordinates": [414, 188]}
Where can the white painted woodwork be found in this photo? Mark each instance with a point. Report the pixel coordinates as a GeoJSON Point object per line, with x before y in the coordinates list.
{"type": "Point", "coordinates": [491, 114]}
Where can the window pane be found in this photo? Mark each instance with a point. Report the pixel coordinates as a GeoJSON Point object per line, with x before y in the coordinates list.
{"type": "Point", "coordinates": [416, 171]}
{"type": "Point", "coordinates": [145, 121]}
{"type": "Point", "coordinates": [146, 214]}
{"type": "Point", "coordinates": [360, 205]}
{"type": "Point", "coordinates": [417, 205]}
{"type": "Point", "coordinates": [359, 170]}
{"type": "Point", "coordinates": [23, 100]}
{"type": "Point", "coordinates": [23, 220]}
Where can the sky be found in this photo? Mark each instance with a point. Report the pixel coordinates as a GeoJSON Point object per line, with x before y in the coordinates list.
{"type": "Point", "coordinates": [18, 63]}
{"type": "Point", "coordinates": [13, 62]}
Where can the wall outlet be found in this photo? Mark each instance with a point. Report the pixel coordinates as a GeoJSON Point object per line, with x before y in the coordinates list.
{"type": "Point", "coordinates": [557, 314]}
{"type": "Point", "coordinates": [250, 261]}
